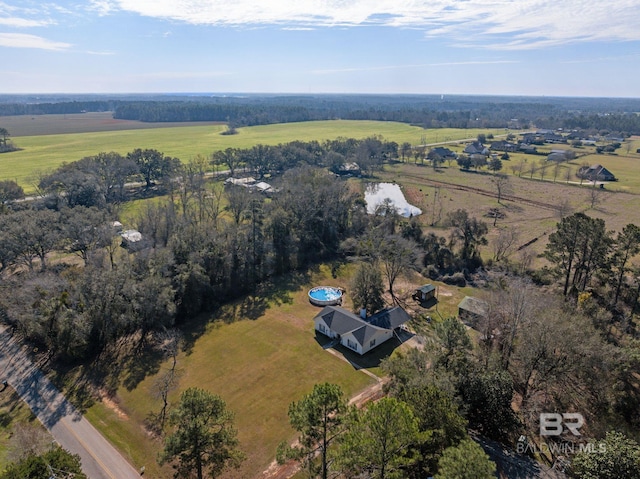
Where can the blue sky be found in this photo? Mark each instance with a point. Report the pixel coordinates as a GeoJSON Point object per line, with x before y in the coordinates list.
{"type": "Point", "coordinates": [511, 47]}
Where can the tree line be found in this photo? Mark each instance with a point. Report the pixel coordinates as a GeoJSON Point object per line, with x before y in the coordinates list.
{"type": "Point", "coordinates": [428, 111]}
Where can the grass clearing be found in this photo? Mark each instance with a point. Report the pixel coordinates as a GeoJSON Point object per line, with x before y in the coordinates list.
{"type": "Point", "coordinates": [257, 365]}
{"type": "Point", "coordinates": [259, 354]}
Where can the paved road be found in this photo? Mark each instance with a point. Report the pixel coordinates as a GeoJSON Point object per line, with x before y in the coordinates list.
{"type": "Point", "coordinates": [70, 429]}
{"type": "Point", "coordinates": [515, 466]}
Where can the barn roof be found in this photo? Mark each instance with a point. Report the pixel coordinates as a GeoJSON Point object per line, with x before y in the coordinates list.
{"type": "Point", "coordinates": [473, 305]}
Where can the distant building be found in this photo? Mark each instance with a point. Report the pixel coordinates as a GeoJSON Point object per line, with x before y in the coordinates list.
{"type": "Point", "coordinates": [351, 168]}
{"type": "Point", "coordinates": [262, 187]}
{"type": "Point", "coordinates": [133, 240]}
{"type": "Point", "coordinates": [504, 146]}
{"type": "Point", "coordinates": [476, 148]}
{"type": "Point", "coordinates": [246, 182]}
{"type": "Point", "coordinates": [595, 173]}
{"type": "Point", "coordinates": [557, 157]}
{"type": "Point", "coordinates": [527, 148]}
{"type": "Point", "coordinates": [442, 153]}
{"type": "Point", "coordinates": [471, 310]}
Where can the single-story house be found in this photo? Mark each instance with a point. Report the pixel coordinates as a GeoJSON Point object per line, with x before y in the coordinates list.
{"type": "Point", "coordinates": [476, 148]}
{"type": "Point", "coordinates": [504, 146]}
{"type": "Point", "coordinates": [360, 334]}
{"type": "Point", "coordinates": [471, 310]}
{"type": "Point", "coordinates": [425, 293]}
{"type": "Point", "coordinates": [527, 148]}
{"type": "Point", "coordinates": [595, 173]}
{"type": "Point", "coordinates": [554, 138]}
{"type": "Point", "coordinates": [441, 152]}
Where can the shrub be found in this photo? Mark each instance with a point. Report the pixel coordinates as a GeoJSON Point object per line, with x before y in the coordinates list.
{"type": "Point", "coordinates": [455, 279]}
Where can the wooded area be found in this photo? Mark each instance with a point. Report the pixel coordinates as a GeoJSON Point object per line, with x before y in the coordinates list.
{"type": "Point", "coordinates": [428, 111]}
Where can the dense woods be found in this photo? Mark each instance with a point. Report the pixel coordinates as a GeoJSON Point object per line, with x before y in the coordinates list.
{"type": "Point", "coordinates": [428, 111]}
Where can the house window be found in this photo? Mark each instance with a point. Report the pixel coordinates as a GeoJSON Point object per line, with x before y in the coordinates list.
{"type": "Point", "coordinates": [322, 328]}
{"type": "Point", "coordinates": [372, 343]}
{"type": "Point", "coordinates": [352, 345]}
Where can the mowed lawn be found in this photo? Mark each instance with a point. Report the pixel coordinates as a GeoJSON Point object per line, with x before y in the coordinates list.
{"type": "Point", "coordinates": [258, 366]}
{"type": "Point", "coordinates": [46, 152]}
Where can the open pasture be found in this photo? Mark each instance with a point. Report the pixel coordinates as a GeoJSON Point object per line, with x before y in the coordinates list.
{"type": "Point", "coordinates": [258, 354]}
{"type": "Point", "coordinates": [44, 152]}
{"type": "Point", "coordinates": [33, 125]}
{"type": "Point", "coordinates": [533, 214]}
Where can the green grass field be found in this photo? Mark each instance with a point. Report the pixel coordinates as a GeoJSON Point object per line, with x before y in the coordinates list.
{"type": "Point", "coordinates": [45, 152]}
{"type": "Point", "coordinates": [13, 411]}
{"type": "Point", "coordinates": [258, 366]}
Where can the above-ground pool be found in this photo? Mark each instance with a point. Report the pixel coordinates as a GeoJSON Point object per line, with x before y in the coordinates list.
{"type": "Point", "coordinates": [325, 296]}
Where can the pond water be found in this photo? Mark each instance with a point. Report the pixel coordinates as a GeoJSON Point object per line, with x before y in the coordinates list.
{"type": "Point", "coordinates": [376, 193]}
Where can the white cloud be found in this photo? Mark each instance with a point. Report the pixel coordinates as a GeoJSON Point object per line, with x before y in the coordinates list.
{"type": "Point", "coordinates": [105, 53]}
{"type": "Point", "coordinates": [23, 40]}
{"type": "Point", "coordinates": [23, 22]}
{"type": "Point", "coordinates": [508, 24]}
{"type": "Point", "coordinates": [417, 65]}
{"type": "Point", "coordinates": [103, 7]}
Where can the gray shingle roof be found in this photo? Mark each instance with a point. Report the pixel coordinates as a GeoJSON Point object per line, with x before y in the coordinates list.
{"type": "Point", "coordinates": [341, 321]}
{"type": "Point", "coordinates": [364, 334]}
{"type": "Point", "coordinates": [427, 288]}
{"type": "Point", "coordinates": [390, 318]}
{"type": "Point", "coordinates": [473, 305]}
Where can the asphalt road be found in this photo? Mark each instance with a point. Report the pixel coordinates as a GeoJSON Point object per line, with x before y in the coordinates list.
{"type": "Point", "coordinates": [70, 429]}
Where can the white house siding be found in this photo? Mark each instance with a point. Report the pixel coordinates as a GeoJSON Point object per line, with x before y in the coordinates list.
{"type": "Point", "coordinates": [320, 325]}
{"type": "Point", "coordinates": [349, 339]}
{"type": "Point", "coordinates": [380, 337]}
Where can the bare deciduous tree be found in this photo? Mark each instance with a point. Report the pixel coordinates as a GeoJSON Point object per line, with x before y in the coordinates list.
{"type": "Point", "coordinates": [502, 184]}
{"type": "Point", "coordinates": [504, 244]}
{"type": "Point", "coordinates": [170, 343]}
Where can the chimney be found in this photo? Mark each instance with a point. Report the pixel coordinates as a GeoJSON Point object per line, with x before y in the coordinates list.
{"type": "Point", "coordinates": [363, 313]}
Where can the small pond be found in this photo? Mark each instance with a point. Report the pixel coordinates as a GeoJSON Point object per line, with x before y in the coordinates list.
{"type": "Point", "coordinates": [376, 193]}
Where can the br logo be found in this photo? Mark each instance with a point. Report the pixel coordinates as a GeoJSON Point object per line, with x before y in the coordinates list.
{"type": "Point", "coordinates": [553, 424]}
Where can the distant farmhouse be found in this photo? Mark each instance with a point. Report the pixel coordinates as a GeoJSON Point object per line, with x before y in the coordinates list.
{"type": "Point", "coordinates": [505, 146]}
{"type": "Point", "coordinates": [543, 136]}
{"type": "Point", "coordinates": [595, 173]}
{"type": "Point", "coordinates": [360, 334]}
{"type": "Point", "coordinates": [476, 148]}
{"type": "Point", "coordinates": [441, 152]}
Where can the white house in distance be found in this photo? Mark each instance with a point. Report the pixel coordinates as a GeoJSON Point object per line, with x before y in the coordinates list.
{"type": "Point", "coordinates": [356, 333]}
